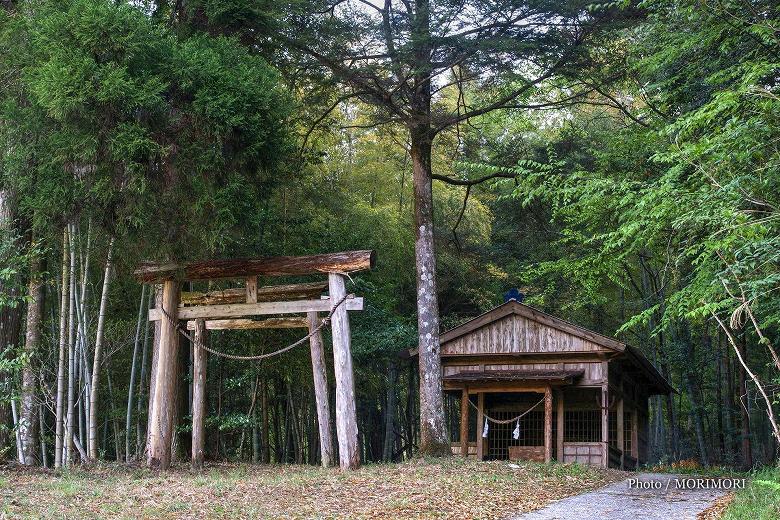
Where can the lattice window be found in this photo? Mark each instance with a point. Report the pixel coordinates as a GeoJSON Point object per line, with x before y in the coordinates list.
{"type": "Point", "coordinates": [613, 429]}
{"type": "Point", "coordinates": [627, 430]}
{"type": "Point", "coordinates": [500, 435]}
{"type": "Point", "coordinates": [582, 426]}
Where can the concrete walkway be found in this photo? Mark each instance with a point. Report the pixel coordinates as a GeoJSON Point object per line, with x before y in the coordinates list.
{"type": "Point", "coordinates": [654, 496]}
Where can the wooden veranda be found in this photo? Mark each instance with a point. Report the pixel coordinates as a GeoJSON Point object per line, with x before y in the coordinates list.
{"type": "Point", "coordinates": [235, 309]}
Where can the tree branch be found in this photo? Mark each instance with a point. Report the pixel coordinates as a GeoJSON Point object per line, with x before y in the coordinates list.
{"type": "Point", "coordinates": [499, 103]}
{"type": "Point", "coordinates": [350, 77]}
{"type": "Point", "coordinates": [472, 182]}
{"type": "Point", "coordinates": [756, 381]}
{"type": "Point", "coordinates": [617, 104]}
{"type": "Point", "coordinates": [322, 117]}
{"type": "Point", "coordinates": [460, 216]}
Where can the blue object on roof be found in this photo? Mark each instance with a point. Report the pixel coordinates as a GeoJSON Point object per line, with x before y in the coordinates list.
{"type": "Point", "coordinates": [514, 294]}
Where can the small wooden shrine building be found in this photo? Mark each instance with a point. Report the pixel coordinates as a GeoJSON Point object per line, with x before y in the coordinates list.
{"type": "Point", "coordinates": [583, 396]}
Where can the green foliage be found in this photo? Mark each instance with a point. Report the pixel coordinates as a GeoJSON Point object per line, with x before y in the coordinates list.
{"type": "Point", "coordinates": [664, 208]}
{"type": "Point", "coordinates": [115, 116]}
{"type": "Point", "coordinates": [697, 191]}
{"type": "Point", "coordinates": [14, 261]}
{"type": "Point", "coordinates": [760, 500]}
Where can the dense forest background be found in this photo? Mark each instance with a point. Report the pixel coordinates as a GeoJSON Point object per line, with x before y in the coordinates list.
{"type": "Point", "coordinates": [634, 190]}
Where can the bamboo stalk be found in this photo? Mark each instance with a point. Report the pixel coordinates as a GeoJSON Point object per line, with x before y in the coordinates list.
{"type": "Point", "coordinates": [68, 459]}
{"type": "Point", "coordinates": [15, 418]}
{"type": "Point", "coordinates": [131, 386]}
{"type": "Point", "coordinates": [114, 422]}
{"type": "Point", "coordinates": [42, 435]}
{"type": "Point", "coordinates": [93, 396]}
{"type": "Point", "coordinates": [140, 437]}
{"type": "Point", "coordinates": [65, 293]}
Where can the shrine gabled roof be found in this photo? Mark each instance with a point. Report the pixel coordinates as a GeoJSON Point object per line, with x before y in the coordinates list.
{"type": "Point", "coordinates": [512, 307]}
{"type": "Point", "coordinates": [533, 314]}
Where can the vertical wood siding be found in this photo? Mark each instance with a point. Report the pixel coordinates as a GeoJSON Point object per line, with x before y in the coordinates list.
{"type": "Point", "coordinates": [517, 334]}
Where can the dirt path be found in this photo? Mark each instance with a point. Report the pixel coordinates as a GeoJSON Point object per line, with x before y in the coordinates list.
{"type": "Point", "coordinates": [631, 501]}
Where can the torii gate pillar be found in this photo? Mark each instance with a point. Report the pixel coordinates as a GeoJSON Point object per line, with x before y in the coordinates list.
{"type": "Point", "coordinates": [346, 415]}
{"type": "Point", "coordinates": [165, 381]}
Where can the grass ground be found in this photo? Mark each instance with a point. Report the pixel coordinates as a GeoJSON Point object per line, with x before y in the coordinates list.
{"type": "Point", "coordinates": [760, 500]}
{"type": "Point", "coordinates": [451, 488]}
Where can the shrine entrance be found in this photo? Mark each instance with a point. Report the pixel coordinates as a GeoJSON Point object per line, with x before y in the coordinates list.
{"type": "Point", "coordinates": [234, 309]}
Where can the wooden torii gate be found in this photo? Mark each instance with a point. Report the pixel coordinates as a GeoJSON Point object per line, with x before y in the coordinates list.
{"type": "Point", "coordinates": [229, 309]}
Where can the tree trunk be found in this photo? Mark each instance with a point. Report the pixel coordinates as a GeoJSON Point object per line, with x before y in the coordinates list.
{"type": "Point", "coordinates": [728, 403]}
{"type": "Point", "coordinates": [433, 429]}
{"type": "Point", "coordinates": [255, 430]}
{"type": "Point", "coordinates": [131, 386]}
{"type": "Point", "coordinates": [287, 428]}
{"type": "Point", "coordinates": [389, 438]}
{"type": "Point", "coordinates": [28, 419]}
{"type": "Point", "coordinates": [719, 396]}
{"type": "Point", "coordinates": [15, 419]}
{"type": "Point", "coordinates": [82, 341]}
{"type": "Point", "coordinates": [105, 435]}
{"type": "Point", "coordinates": [277, 423]}
{"type": "Point", "coordinates": [114, 420]}
{"type": "Point", "coordinates": [93, 396]}
{"type": "Point", "coordinates": [266, 446]}
{"type": "Point", "coordinates": [82, 424]}
{"type": "Point", "coordinates": [671, 415]}
{"type": "Point", "coordinates": [182, 401]}
{"type": "Point", "coordinates": [411, 419]}
{"type": "Point", "coordinates": [312, 435]}
{"type": "Point", "coordinates": [10, 316]}
{"type": "Point", "coordinates": [693, 395]}
{"type": "Point", "coordinates": [42, 435]}
{"type": "Point", "coordinates": [64, 298]}
{"type": "Point", "coordinates": [82, 370]}
{"type": "Point", "coordinates": [741, 356]}
{"type": "Point", "coordinates": [295, 444]}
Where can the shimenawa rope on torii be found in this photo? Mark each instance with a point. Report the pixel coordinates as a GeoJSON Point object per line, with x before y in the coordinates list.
{"type": "Point", "coordinates": [323, 323]}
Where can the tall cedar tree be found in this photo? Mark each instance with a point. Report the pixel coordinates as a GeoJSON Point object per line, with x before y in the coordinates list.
{"type": "Point", "coordinates": [401, 57]}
